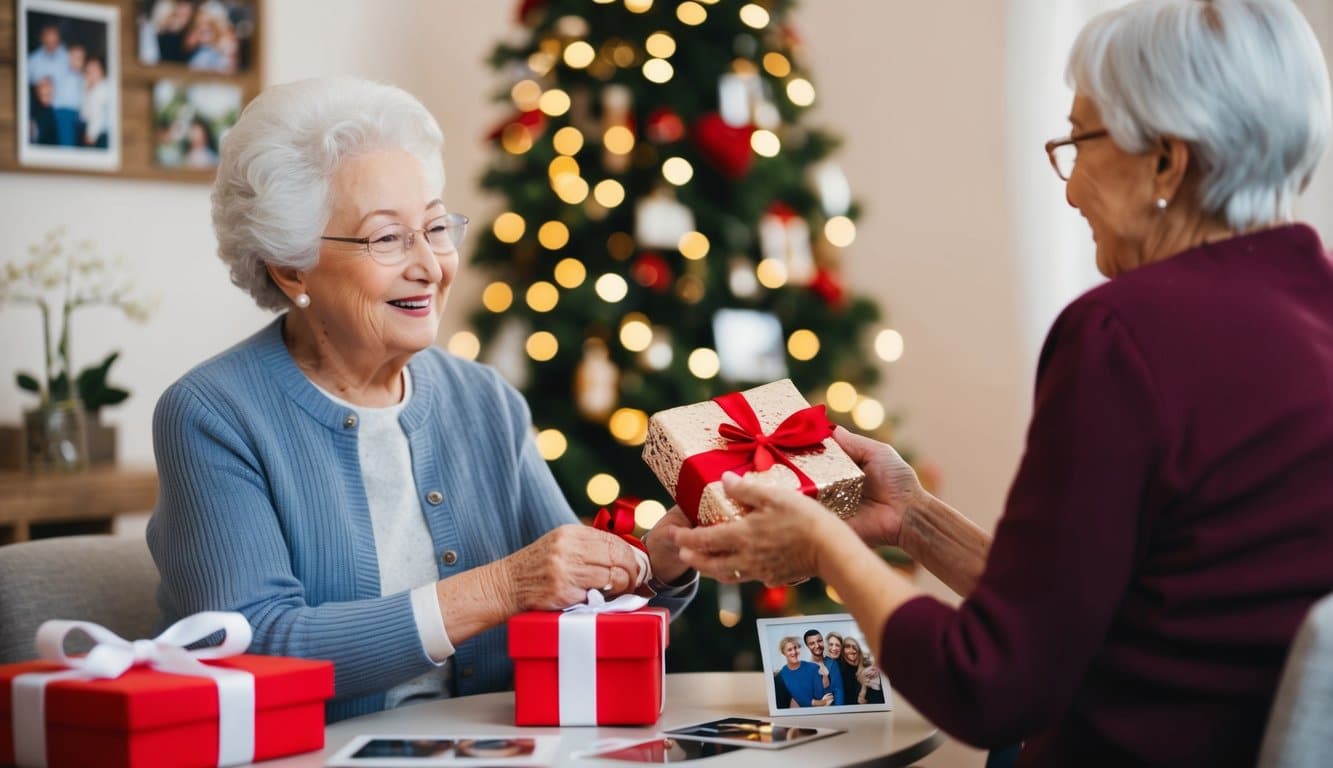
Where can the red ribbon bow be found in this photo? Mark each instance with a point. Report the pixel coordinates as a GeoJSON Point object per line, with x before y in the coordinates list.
{"type": "Point", "coordinates": [748, 449]}
{"type": "Point", "coordinates": [619, 521]}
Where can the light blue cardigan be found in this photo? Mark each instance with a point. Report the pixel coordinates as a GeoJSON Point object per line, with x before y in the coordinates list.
{"type": "Point", "coordinates": [261, 510]}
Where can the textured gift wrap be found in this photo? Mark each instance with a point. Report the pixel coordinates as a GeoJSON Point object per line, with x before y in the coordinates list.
{"type": "Point", "coordinates": [589, 669]}
{"type": "Point", "coordinates": [150, 719]}
{"type": "Point", "coordinates": [769, 432]}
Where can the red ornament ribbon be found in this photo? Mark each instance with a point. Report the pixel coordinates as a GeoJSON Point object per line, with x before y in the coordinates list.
{"type": "Point", "coordinates": [749, 449]}
{"type": "Point", "coordinates": [619, 521]}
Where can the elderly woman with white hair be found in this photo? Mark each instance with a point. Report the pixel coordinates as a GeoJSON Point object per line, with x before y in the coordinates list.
{"type": "Point", "coordinates": [357, 493]}
{"type": "Point", "coordinates": [1171, 519]}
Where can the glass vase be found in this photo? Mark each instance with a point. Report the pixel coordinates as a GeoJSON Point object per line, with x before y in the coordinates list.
{"type": "Point", "coordinates": [57, 437]}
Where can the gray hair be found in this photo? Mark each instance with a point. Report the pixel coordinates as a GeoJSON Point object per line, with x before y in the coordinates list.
{"type": "Point", "coordinates": [271, 199]}
{"type": "Point", "coordinates": [1242, 81]}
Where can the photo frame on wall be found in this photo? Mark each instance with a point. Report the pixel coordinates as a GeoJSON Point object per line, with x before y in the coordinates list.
{"type": "Point", "coordinates": [189, 121]}
{"type": "Point", "coordinates": [205, 36]}
{"type": "Point", "coordinates": [68, 85]}
{"type": "Point", "coordinates": [794, 649]}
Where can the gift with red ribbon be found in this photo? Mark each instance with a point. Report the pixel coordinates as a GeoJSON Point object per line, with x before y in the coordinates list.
{"type": "Point", "coordinates": [151, 703]}
{"type": "Point", "coordinates": [595, 664]}
{"type": "Point", "coordinates": [769, 431]}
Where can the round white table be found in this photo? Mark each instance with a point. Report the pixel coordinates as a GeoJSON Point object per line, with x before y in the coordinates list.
{"type": "Point", "coordinates": [895, 738]}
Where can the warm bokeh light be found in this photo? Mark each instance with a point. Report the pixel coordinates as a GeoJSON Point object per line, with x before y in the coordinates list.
{"type": "Point", "coordinates": [553, 235]}
{"type": "Point", "coordinates": [635, 333]}
{"type": "Point", "coordinates": [542, 346]}
{"type": "Point", "coordinates": [509, 227]}
{"type": "Point", "coordinates": [889, 345]}
{"type": "Point", "coordinates": [465, 344]}
{"type": "Point", "coordinates": [801, 92]}
{"type": "Point", "coordinates": [727, 618]}
{"type": "Point", "coordinates": [620, 245]}
{"type": "Point", "coordinates": [570, 273]}
{"type": "Point", "coordinates": [648, 513]}
{"type": "Point", "coordinates": [611, 287]}
{"type": "Point", "coordinates": [515, 139]}
{"type": "Point", "coordinates": [703, 363]}
{"type": "Point", "coordinates": [568, 140]}
{"type": "Point", "coordinates": [868, 414]}
{"type": "Point", "coordinates": [603, 488]}
{"type": "Point", "coordinates": [772, 273]}
{"type": "Point", "coordinates": [776, 64]}
{"type": "Point", "coordinates": [803, 344]}
{"type": "Point", "coordinates": [579, 54]}
{"type": "Point", "coordinates": [840, 396]}
{"type": "Point", "coordinates": [754, 16]}
{"type": "Point", "coordinates": [693, 245]}
{"type": "Point", "coordinates": [659, 354]}
{"type": "Point", "coordinates": [691, 13]}
{"type": "Point", "coordinates": [690, 289]}
{"type": "Point", "coordinates": [525, 94]}
{"type": "Point", "coordinates": [562, 166]}
{"type": "Point", "coordinates": [677, 170]}
{"type": "Point", "coordinates": [658, 70]}
{"type": "Point", "coordinates": [570, 189]}
{"type": "Point", "coordinates": [542, 296]}
{"type": "Point", "coordinates": [765, 143]}
{"type": "Point", "coordinates": [618, 140]}
{"type": "Point", "coordinates": [551, 444]}
{"type": "Point", "coordinates": [540, 62]}
{"type": "Point", "coordinates": [608, 193]}
{"type": "Point", "coordinates": [624, 55]}
{"type": "Point", "coordinates": [639, 6]}
{"type": "Point", "coordinates": [629, 426]}
{"type": "Point", "coordinates": [660, 45]}
{"type": "Point", "coordinates": [497, 296]}
{"type": "Point", "coordinates": [554, 102]}
{"type": "Point", "coordinates": [840, 230]}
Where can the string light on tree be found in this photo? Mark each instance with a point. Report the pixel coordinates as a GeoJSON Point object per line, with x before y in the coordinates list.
{"type": "Point", "coordinates": [542, 346]}
{"type": "Point", "coordinates": [638, 6]}
{"type": "Point", "coordinates": [525, 95]}
{"type": "Point", "coordinates": [570, 273]}
{"type": "Point", "coordinates": [648, 513]}
{"type": "Point", "coordinates": [542, 296]}
{"type": "Point", "coordinates": [889, 345]}
{"type": "Point", "coordinates": [841, 396]}
{"type": "Point", "coordinates": [776, 64]}
{"type": "Point", "coordinates": [868, 414]}
{"type": "Point", "coordinates": [603, 488]}
{"type": "Point", "coordinates": [571, 189]}
{"type": "Point", "coordinates": [554, 102]}
{"type": "Point", "coordinates": [579, 54]}
{"type": "Point", "coordinates": [465, 344]}
{"type": "Point", "coordinates": [693, 245]}
{"type": "Point", "coordinates": [754, 16]}
{"type": "Point", "coordinates": [635, 332]}
{"type": "Point", "coordinates": [660, 45]}
{"type": "Point", "coordinates": [497, 297]}
{"type": "Point", "coordinates": [509, 227]}
{"type": "Point", "coordinates": [691, 13]}
{"type": "Point", "coordinates": [840, 231]}
{"type": "Point", "coordinates": [800, 92]}
{"type": "Point", "coordinates": [609, 193]}
{"type": "Point", "coordinates": [611, 287]}
{"type": "Point", "coordinates": [568, 140]}
{"type": "Point", "coordinates": [703, 363]}
{"type": "Point", "coordinates": [629, 426]}
{"type": "Point", "coordinates": [772, 274]}
{"type": "Point", "coordinates": [677, 170]}
{"type": "Point", "coordinates": [658, 70]}
{"type": "Point", "coordinates": [553, 235]}
{"type": "Point", "coordinates": [803, 344]}
{"type": "Point", "coordinates": [765, 143]}
{"type": "Point", "coordinates": [516, 139]}
{"type": "Point", "coordinates": [551, 444]}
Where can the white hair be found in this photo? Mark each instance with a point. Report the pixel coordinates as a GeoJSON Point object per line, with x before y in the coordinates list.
{"type": "Point", "coordinates": [1243, 82]}
{"type": "Point", "coordinates": [271, 199]}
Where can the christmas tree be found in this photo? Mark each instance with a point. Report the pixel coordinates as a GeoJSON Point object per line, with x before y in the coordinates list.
{"type": "Point", "coordinates": [670, 231]}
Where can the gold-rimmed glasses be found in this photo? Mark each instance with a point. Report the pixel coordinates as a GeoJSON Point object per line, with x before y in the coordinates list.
{"type": "Point", "coordinates": [1063, 153]}
{"type": "Point", "coordinates": [390, 244]}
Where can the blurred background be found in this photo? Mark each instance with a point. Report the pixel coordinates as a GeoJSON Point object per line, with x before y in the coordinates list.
{"type": "Point", "coordinates": [963, 240]}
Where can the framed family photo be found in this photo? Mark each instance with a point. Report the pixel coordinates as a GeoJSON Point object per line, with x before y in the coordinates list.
{"type": "Point", "coordinates": [68, 86]}
{"type": "Point", "coordinates": [208, 36]}
{"type": "Point", "coordinates": [820, 665]}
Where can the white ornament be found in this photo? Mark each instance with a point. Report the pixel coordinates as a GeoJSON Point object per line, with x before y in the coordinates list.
{"type": "Point", "coordinates": [596, 382]}
{"type": "Point", "coordinates": [660, 220]}
{"type": "Point", "coordinates": [835, 194]}
{"type": "Point", "coordinates": [506, 352]}
{"type": "Point", "coordinates": [785, 238]}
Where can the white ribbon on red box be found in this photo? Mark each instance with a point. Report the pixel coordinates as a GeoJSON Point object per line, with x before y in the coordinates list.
{"type": "Point", "coordinates": [578, 654]}
{"type": "Point", "coordinates": [113, 655]}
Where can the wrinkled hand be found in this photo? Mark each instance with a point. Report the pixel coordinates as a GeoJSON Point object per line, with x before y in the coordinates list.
{"type": "Point", "coordinates": [890, 489]}
{"type": "Point", "coordinates": [825, 701]}
{"type": "Point", "coordinates": [557, 570]}
{"type": "Point", "coordinates": [773, 543]}
{"type": "Point", "coordinates": [663, 553]}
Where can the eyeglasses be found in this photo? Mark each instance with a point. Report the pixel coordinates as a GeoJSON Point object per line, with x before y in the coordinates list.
{"type": "Point", "coordinates": [1064, 152]}
{"type": "Point", "coordinates": [390, 244]}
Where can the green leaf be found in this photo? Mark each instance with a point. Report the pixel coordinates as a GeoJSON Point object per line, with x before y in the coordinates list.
{"type": "Point", "coordinates": [28, 382]}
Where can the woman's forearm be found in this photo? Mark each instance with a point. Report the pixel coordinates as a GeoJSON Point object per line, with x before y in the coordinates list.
{"type": "Point", "coordinates": [866, 584]}
{"type": "Point", "coordinates": [945, 543]}
{"type": "Point", "coordinates": [475, 601]}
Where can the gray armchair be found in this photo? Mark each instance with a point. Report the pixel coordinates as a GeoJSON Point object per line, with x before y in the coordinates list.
{"type": "Point", "coordinates": [1300, 726]}
{"type": "Point", "coordinates": [109, 580]}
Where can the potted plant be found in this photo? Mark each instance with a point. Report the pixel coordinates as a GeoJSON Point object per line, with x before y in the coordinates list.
{"type": "Point", "coordinates": [59, 279]}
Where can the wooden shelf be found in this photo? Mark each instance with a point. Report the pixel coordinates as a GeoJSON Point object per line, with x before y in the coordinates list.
{"type": "Point", "coordinates": [34, 506]}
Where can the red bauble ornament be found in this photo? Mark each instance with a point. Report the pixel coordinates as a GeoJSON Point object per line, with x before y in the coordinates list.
{"type": "Point", "coordinates": [773, 599]}
{"type": "Point", "coordinates": [664, 126]}
{"type": "Point", "coordinates": [533, 120]}
{"type": "Point", "coordinates": [725, 147]}
{"type": "Point", "coordinates": [526, 7]}
{"type": "Point", "coordinates": [652, 272]}
{"type": "Point", "coordinates": [828, 287]}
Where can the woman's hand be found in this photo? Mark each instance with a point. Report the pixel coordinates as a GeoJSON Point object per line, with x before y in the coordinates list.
{"type": "Point", "coordinates": [663, 553]}
{"type": "Point", "coordinates": [826, 700]}
{"type": "Point", "coordinates": [557, 570]}
{"type": "Point", "coordinates": [774, 542]}
{"type": "Point", "coordinates": [891, 488]}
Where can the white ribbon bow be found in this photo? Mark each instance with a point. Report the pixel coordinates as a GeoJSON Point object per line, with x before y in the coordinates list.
{"type": "Point", "coordinates": [578, 654]}
{"type": "Point", "coordinates": [113, 655]}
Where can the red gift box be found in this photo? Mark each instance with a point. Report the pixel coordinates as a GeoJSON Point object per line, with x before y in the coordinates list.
{"type": "Point", "coordinates": [625, 655]}
{"type": "Point", "coordinates": [146, 718]}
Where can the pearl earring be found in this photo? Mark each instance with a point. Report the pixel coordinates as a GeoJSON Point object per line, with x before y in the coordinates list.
{"type": "Point", "coordinates": [1161, 203]}
{"type": "Point", "coordinates": [302, 300]}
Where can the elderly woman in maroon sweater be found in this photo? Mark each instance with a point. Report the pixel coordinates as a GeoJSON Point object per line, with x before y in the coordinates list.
{"type": "Point", "coordinates": [1172, 517]}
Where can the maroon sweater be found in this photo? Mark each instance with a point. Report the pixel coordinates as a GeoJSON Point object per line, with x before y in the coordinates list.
{"type": "Point", "coordinates": [1170, 524]}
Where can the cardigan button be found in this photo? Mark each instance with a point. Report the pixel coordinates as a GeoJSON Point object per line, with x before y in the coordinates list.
{"type": "Point", "coordinates": [467, 671]}
{"type": "Point", "coordinates": [349, 421]}
{"type": "Point", "coordinates": [449, 557]}
{"type": "Point", "coordinates": [435, 497]}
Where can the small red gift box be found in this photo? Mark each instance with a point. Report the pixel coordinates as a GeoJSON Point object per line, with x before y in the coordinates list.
{"type": "Point", "coordinates": [588, 668]}
{"type": "Point", "coordinates": [146, 718]}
